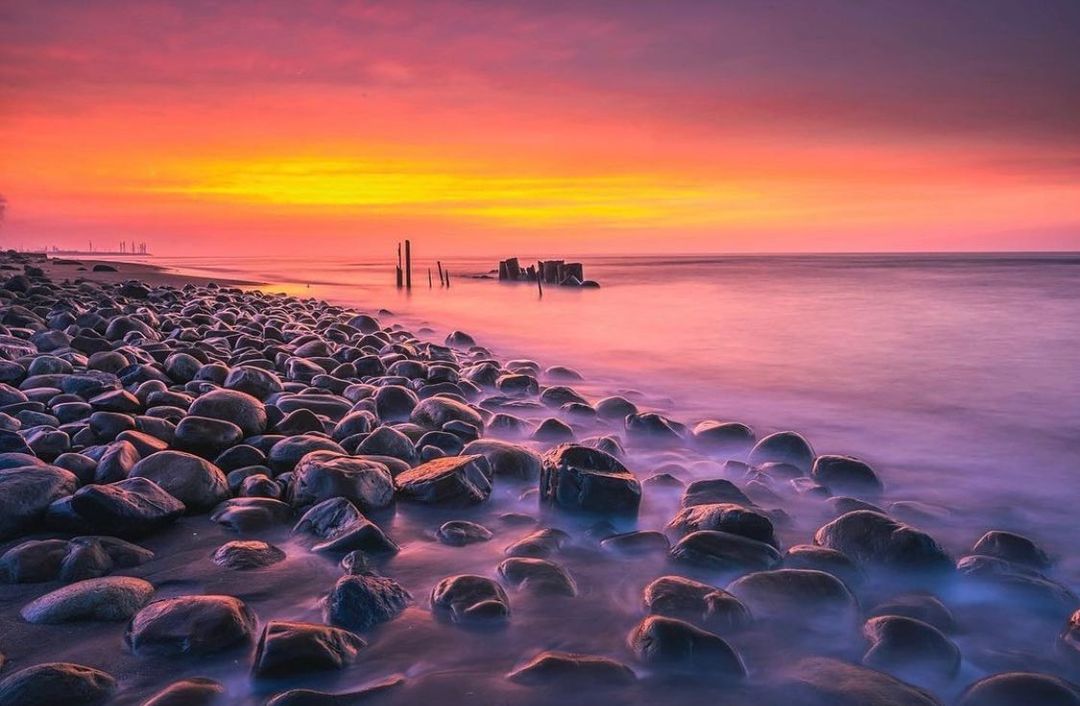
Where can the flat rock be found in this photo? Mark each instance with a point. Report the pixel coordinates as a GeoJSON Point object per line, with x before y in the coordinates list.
{"type": "Point", "coordinates": [112, 598]}
{"type": "Point", "coordinates": [819, 681]}
{"type": "Point", "coordinates": [458, 533]}
{"type": "Point", "coordinates": [554, 668]}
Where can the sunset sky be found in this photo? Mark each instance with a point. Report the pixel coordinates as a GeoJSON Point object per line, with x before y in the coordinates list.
{"type": "Point", "coordinates": [538, 127]}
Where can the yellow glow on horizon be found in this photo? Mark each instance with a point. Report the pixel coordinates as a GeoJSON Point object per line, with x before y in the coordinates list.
{"type": "Point", "coordinates": [465, 192]}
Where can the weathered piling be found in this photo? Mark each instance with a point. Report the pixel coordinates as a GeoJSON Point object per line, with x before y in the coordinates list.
{"type": "Point", "coordinates": [442, 281]}
{"type": "Point", "coordinates": [398, 271]}
{"type": "Point", "coordinates": [408, 265]}
{"type": "Point", "coordinates": [429, 284]}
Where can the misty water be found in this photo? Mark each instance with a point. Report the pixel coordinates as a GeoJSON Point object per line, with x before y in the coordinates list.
{"type": "Point", "coordinates": [956, 377]}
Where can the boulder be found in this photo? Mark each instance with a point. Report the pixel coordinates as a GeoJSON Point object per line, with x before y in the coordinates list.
{"type": "Point", "coordinates": [26, 493]}
{"type": "Point", "coordinates": [724, 517]}
{"type": "Point", "coordinates": [697, 603]}
{"type": "Point", "coordinates": [362, 601]}
{"type": "Point", "coordinates": [130, 508]}
{"type": "Point", "coordinates": [819, 681]}
{"type": "Point", "coordinates": [568, 669]}
{"type": "Point", "coordinates": [1012, 547]}
{"type": "Point", "coordinates": [671, 643]}
{"type": "Point", "coordinates": [580, 478]}
{"type": "Point", "coordinates": [239, 408]}
{"type": "Point", "coordinates": [451, 481]}
{"type": "Point", "coordinates": [1020, 689]}
{"type": "Point", "coordinates": [194, 481]}
{"type": "Point", "coordinates": [507, 460]}
{"type": "Point", "coordinates": [875, 539]}
{"type": "Point", "coordinates": [321, 475]}
{"type": "Point", "coordinates": [466, 598]}
{"type": "Point", "coordinates": [723, 551]}
{"type": "Point", "coordinates": [190, 625]}
{"type": "Point", "coordinates": [848, 475]}
{"type": "Point", "coordinates": [784, 447]}
{"type": "Point", "coordinates": [910, 649]}
{"type": "Point", "coordinates": [250, 554]}
{"type": "Point", "coordinates": [458, 533]}
{"type": "Point", "coordinates": [194, 691]}
{"type": "Point", "coordinates": [434, 412]}
{"type": "Point", "coordinates": [537, 576]}
{"type": "Point", "coordinates": [343, 528]}
{"type": "Point", "coordinates": [289, 647]}
{"type": "Point", "coordinates": [799, 595]}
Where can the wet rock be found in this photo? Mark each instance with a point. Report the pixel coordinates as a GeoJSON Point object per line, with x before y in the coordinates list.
{"type": "Point", "coordinates": [653, 428]}
{"type": "Point", "coordinates": [1020, 689]}
{"type": "Point", "coordinates": [256, 382]}
{"type": "Point", "coordinates": [1016, 585]}
{"type": "Point", "coordinates": [919, 606]}
{"type": "Point", "coordinates": [434, 412]}
{"type": "Point", "coordinates": [845, 474]}
{"type": "Point", "coordinates": [251, 514]}
{"type": "Point", "coordinates": [112, 598]}
{"type": "Point", "coordinates": [724, 436]}
{"type": "Point", "coordinates": [797, 594]}
{"type": "Point", "coordinates": [506, 459]}
{"type": "Point", "coordinates": [910, 648]}
{"type": "Point", "coordinates": [252, 554]}
{"type": "Point", "coordinates": [395, 403]}
{"type": "Point", "coordinates": [285, 454]}
{"type": "Point", "coordinates": [819, 681]}
{"type": "Point", "coordinates": [194, 481]}
{"type": "Point", "coordinates": [558, 395]}
{"type": "Point", "coordinates": [117, 462]}
{"type": "Point", "coordinates": [696, 602]}
{"type": "Point", "coordinates": [577, 477]}
{"type": "Point", "coordinates": [466, 599]}
{"type": "Point", "coordinates": [1012, 547]}
{"type": "Point", "coordinates": [553, 430]}
{"type": "Point", "coordinates": [636, 543]}
{"type": "Point", "coordinates": [808, 556]}
{"type": "Point", "coordinates": [724, 517]}
{"type": "Point", "coordinates": [783, 447]}
{"type": "Point", "coordinates": [723, 551]}
{"type": "Point", "coordinates": [570, 669]}
{"type": "Point", "coordinates": [874, 539]}
{"type": "Point", "coordinates": [206, 436]}
{"type": "Point", "coordinates": [458, 533]}
{"type": "Point", "coordinates": [239, 408]}
{"type": "Point", "coordinates": [537, 576]}
{"type": "Point", "coordinates": [362, 601]}
{"type": "Point", "coordinates": [194, 691]}
{"type": "Point", "coordinates": [387, 441]}
{"type": "Point", "coordinates": [129, 508]}
{"type": "Point", "coordinates": [26, 493]}
{"type": "Point", "coordinates": [343, 528]}
{"type": "Point", "coordinates": [321, 475]}
{"type": "Point", "coordinates": [288, 647]}
{"type": "Point", "coordinates": [713, 490]}
{"type": "Point", "coordinates": [671, 643]}
{"type": "Point", "coordinates": [193, 625]}
{"type": "Point", "coordinates": [56, 683]}
{"type": "Point", "coordinates": [452, 481]}
{"type": "Point", "coordinates": [842, 505]}
{"type": "Point", "coordinates": [539, 544]}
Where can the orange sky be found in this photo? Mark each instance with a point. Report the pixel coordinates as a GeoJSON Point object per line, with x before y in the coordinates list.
{"type": "Point", "coordinates": [491, 127]}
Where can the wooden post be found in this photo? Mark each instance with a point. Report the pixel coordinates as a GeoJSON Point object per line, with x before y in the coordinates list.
{"type": "Point", "coordinates": [448, 278]}
{"type": "Point", "coordinates": [540, 286]}
{"type": "Point", "coordinates": [442, 281]}
{"type": "Point", "coordinates": [408, 265]}
{"type": "Point", "coordinates": [398, 271]}
{"type": "Point", "coordinates": [429, 284]}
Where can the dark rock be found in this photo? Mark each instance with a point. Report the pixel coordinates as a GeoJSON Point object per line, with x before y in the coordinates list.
{"type": "Point", "coordinates": [285, 454]}
{"type": "Point", "coordinates": [724, 517]}
{"type": "Point", "coordinates": [1012, 547]}
{"type": "Point", "coordinates": [875, 539]}
{"type": "Point", "coordinates": [465, 599]}
{"type": "Point", "coordinates": [321, 475]}
{"type": "Point", "coordinates": [194, 481]}
{"type": "Point", "coordinates": [56, 683]}
{"type": "Point", "coordinates": [724, 551]}
{"type": "Point", "coordinates": [819, 681]}
{"type": "Point", "coordinates": [846, 475]}
{"type": "Point", "coordinates": [239, 408]}
{"type": "Point", "coordinates": [112, 598]}
{"type": "Point", "coordinates": [343, 528]}
{"type": "Point", "coordinates": [434, 412]}
{"type": "Point", "coordinates": [636, 543]}
{"type": "Point", "coordinates": [1020, 689]}
{"type": "Point", "coordinates": [362, 601]}
{"type": "Point", "coordinates": [287, 648]}
{"type": "Point", "coordinates": [194, 691]}
{"type": "Point", "coordinates": [713, 490]}
{"type": "Point", "coordinates": [539, 544]}
{"type": "Point", "coordinates": [255, 382]}
{"type": "Point", "coordinates": [453, 481]}
{"type": "Point", "coordinates": [537, 576]}
{"type": "Point", "coordinates": [577, 477]}
{"type": "Point", "coordinates": [387, 441]}
{"type": "Point", "coordinates": [206, 436]}
{"type": "Point", "coordinates": [192, 625]}
{"type": "Point", "coordinates": [696, 602]}
{"type": "Point", "coordinates": [26, 493]}
{"type": "Point", "coordinates": [251, 514]}
{"type": "Point", "coordinates": [724, 436]}
{"type": "Point", "coordinates": [131, 507]}
{"type": "Point", "coordinates": [570, 669]}
{"type": "Point", "coordinates": [784, 447]}
{"type": "Point", "coordinates": [251, 554]}
{"type": "Point", "coordinates": [458, 533]}
{"type": "Point", "coordinates": [840, 565]}
{"type": "Point", "coordinates": [801, 594]}
{"type": "Point", "coordinates": [910, 648]}
{"type": "Point", "coordinates": [553, 430]}
{"type": "Point", "coordinates": [920, 606]}
{"type": "Point", "coordinates": [672, 643]}
{"type": "Point", "coordinates": [1068, 643]}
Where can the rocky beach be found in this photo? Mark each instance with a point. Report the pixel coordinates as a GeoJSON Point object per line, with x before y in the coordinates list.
{"type": "Point", "coordinates": [212, 494]}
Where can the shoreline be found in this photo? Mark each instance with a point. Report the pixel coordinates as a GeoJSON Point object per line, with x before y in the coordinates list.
{"type": "Point", "coordinates": [288, 477]}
